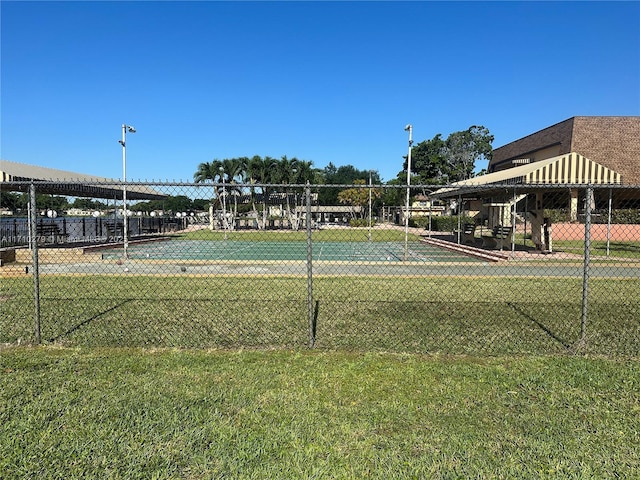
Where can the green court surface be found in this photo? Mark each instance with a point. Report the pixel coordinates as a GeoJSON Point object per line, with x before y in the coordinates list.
{"type": "Point", "coordinates": [289, 251]}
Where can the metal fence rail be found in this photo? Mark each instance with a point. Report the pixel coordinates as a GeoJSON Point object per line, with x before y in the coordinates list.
{"type": "Point", "coordinates": [484, 271]}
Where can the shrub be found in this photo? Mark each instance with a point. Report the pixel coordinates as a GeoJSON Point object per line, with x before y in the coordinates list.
{"type": "Point", "coordinates": [625, 215]}
{"type": "Point", "coordinates": [558, 215]}
{"type": "Point", "coordinates": [361, 222]}
{"type": "Point", "coordinates": [621, 215]}
{"type": "Point", "coordinates": [419, 222]}
{"type": "Point", "coordinates": [448, 223]}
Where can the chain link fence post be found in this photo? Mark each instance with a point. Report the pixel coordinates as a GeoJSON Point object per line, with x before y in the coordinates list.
{"type": "Point", "coordinates": [311, 314]}
{"type": "Point", "coordinates": [587, 259]}
{"type": "Point", "coordinates": [513, 223]}
{"type": "Point", "coordinates": [35, 265]}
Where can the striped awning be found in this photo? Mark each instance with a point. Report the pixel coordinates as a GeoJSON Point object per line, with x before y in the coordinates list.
{"type": "Point", "coordinates": [569, 169]}
{"type": "Point", "coordinates": [61, 182]}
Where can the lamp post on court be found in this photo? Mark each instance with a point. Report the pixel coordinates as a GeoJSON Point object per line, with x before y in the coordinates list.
{"type": "Point", "coordinates": [123, 142]}
{"type": "Point", "coordinates": [408, 128]}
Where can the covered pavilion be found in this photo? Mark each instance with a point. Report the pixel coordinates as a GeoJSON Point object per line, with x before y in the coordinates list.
{"type": "Point", "coordinates": [16, 176]}
{"type": "Point", "coordinates": [539, 184]}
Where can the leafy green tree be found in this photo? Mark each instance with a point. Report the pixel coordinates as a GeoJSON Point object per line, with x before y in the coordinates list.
{"type": "Point", "coordinates": [463, 149]}
{"type": "Point", "coordinates": [178, 203]}
{"type": "Point", "coordinates": [88, 204]}
{"type": "Point", "coordinates": [439, 161]}
{"type": "Point", "coordinates": [358, 197]}
{"type": "Point", "coordinates": [149, 206]}
{"type": "Point", "coordinates": [51, 202]}
{"type": "Point", "coordinates": [200, 204]}
{"type": "Point", "coordinates": [394, 196]}
{"type": "Point", "coordinates": [174, 204]}
{"type": "Point", "coordinates": [11, 201]}
{"type": "Point", "coordinates": [343, 175]}
{"type": "Point", "coordinates": [428, 162]}
{"type": "Point", "coordinates": [20, 202]}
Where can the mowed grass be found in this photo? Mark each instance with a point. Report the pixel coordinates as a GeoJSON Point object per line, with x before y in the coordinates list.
{"type": "Point", "coordinates": [447, 315]}
{"type": "Point", "coordinates": [140, 414]}
{"type": "Point", "coordinates": [616, 250]}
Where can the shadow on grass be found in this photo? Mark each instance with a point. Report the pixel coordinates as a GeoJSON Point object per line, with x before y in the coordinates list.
{"type": "Point", "coordinates": [542, 326]}
{"type": "Point", "coordinates": [77, 327]}
{"type": "Point", "coordinates": [625, 247]}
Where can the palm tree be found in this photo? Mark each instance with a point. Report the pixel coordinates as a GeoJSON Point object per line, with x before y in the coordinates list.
{"type": "Point", "coordinates": [265, 171]}
{"type": "Point", "coordinates": [206, 171]}
{"type": "Point", "coordinates": [293, 171]}
{"type": "Point", "coordinates": [305, 172]}
{"type": "Point", "coordinates": [233, 170]}
{"type": "Point", "coordinates": [259, 170]}
{"type": "Point", "coordinates": [210, 171]}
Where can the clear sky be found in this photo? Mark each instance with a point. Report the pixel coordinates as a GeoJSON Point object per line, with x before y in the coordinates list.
{"type": "Point", "coordinates": [320, 81]}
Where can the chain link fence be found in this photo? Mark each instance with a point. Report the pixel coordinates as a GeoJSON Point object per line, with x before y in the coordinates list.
{"type": "Point", "coordinates": [482, 271]}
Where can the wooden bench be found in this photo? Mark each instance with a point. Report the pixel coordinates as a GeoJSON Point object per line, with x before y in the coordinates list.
{"type": "Point", "coordinates": [468, 234]}
{"type": "Point", "coordinates": [498, 235]}
{"type": "Point", "coordinates": [115, 230]}
{"type": "Point", "coordinates": [49, 233]}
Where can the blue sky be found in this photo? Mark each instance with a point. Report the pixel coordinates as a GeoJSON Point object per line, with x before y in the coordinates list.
{"type": "Point", "coordinates": [320, 81]}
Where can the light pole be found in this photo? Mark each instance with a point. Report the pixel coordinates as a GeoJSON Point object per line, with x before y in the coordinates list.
{"type": "Point", "coordinates": [408, 128]}
{"type": "Point", "coordinates": [224, 203]}
{"type": "Point", "coordinates": [123, 142]}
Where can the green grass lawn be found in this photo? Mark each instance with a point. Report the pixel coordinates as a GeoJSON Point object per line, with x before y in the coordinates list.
{"type": "Point", "coordinates": [125, 413]}
{"type": "Point", "coordinates": [617, 249]}
{"type": "Point", "coordinates": [489, 316]}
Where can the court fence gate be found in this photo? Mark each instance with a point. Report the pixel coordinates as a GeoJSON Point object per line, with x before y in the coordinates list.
{"type": "Point", "coordinates": [483, 270]}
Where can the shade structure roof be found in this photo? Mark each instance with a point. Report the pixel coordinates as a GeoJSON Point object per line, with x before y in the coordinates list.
{"type": "Point", "coordinates": [569, 169]}
{"type": "Point", "coordinates": [61, 182]}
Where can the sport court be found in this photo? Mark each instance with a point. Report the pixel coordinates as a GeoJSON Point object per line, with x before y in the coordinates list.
{"type": "Point", "coordinates": [289, 251]}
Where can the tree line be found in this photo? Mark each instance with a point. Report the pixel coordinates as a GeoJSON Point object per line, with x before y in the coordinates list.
{"type": "Point", "coordinates": [280, 177]}
{"type": "Point", "coordinates": [18, 203]}
{"type": "Point", "coordinates": [436, 161]}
